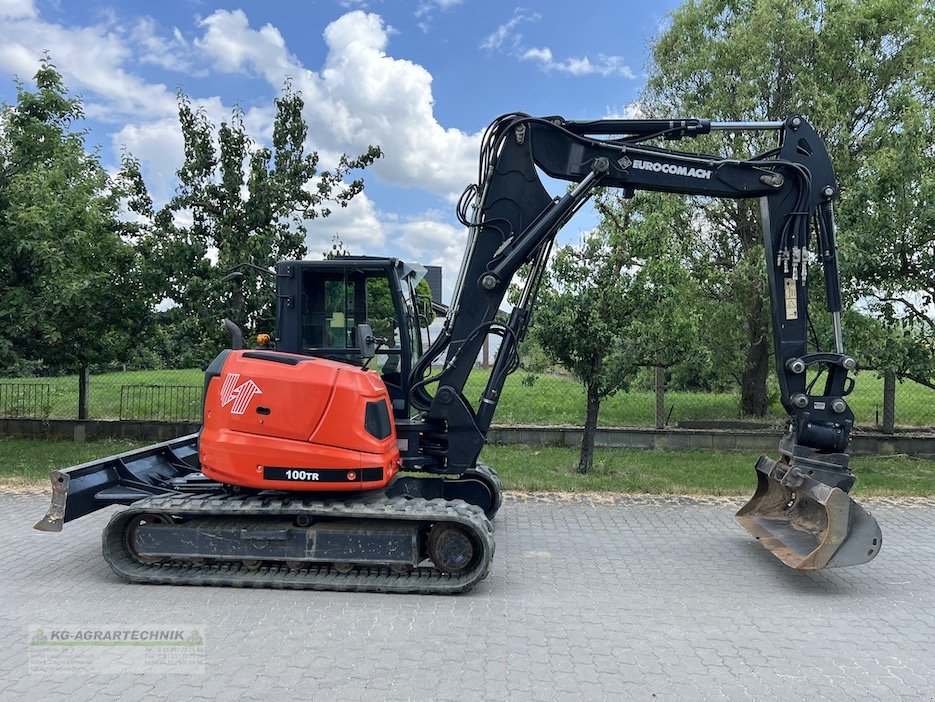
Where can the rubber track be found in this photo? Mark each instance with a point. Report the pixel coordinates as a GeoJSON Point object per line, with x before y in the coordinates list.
{"type": "Point", "coordinates": [367, 578]}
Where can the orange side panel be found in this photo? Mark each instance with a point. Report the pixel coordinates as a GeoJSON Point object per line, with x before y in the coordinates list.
{"type": "Point", "coordinates": [274, 399]}
{"type": "Point", "coordinates": [251, 461]}
{"type": "Point", "coordinates": [343, 421]}
{"type": "Point", "coordinates": [295, 426]}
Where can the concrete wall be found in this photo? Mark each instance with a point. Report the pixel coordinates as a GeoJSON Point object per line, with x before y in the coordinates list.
{"type": "Point", "coordinates": [719, 439]}
{"type": "Point", "coordinates": [733, 439]}
{"type": "Point", "coordinates": [96, 429]}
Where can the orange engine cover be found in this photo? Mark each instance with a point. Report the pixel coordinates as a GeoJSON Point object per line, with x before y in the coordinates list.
{"type": "Point", "coordinates": [287, 422]}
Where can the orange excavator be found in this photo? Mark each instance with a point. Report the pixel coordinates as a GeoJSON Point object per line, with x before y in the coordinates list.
{"type": "Point", "coordinates": [344, 456]}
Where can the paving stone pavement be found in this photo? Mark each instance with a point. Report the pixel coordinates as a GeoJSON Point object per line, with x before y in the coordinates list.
{"type": "Point", "coordinates": [589, 598]}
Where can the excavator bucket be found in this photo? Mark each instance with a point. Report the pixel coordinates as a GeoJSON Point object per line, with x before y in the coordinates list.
{"type": "Point", "coordinates": [807, 524]}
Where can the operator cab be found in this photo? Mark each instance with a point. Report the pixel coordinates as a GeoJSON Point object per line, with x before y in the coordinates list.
{"type": "Point", "coordinates": [321, 303]}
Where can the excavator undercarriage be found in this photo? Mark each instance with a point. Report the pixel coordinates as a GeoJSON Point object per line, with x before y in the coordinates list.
{"type": "Point", "coordinates": [418, 535]}
{"type": "Point", "coordinates": [375, 544]}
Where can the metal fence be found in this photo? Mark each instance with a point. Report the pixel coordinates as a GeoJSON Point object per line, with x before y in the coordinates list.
{"type": "Point", "coordinates": [548, 399]}
{"type": "Point", "coordinates": [28, 400]}
{"type": "Point", "coordinates": [160, 402]}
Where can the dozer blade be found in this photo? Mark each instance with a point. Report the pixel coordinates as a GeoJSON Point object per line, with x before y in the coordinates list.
{"type": "Point", "coordinates": [807, 524]}
{"type": "Point", "coordinates": [120, 479]}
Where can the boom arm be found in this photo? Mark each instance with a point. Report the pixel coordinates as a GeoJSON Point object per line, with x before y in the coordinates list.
{"type": "Point", "coordinates": [515, 222]}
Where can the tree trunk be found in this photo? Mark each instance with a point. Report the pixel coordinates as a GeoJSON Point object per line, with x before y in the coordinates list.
{"type": "Point", "coordinates": [660, 397]}
{"type": "Point", "coordinates": [84, 392]}
{"type": "Point", "coordinates": [753, 398]}
{"type": "Point", "coordinates": [751, 289]}
{"type": "Point", "coordinates": [590, 427]}
{"type": "Point", "coordinates": [237, 302]}
{"type": "Point", "coordinates": [889, 403]}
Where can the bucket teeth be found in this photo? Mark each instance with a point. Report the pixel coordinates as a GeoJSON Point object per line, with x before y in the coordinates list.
{"type": "Point", "coordinates": [807, 524]}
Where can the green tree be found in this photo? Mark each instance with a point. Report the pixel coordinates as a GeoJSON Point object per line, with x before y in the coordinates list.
{"type": "Point", "coordinates": [889, 251]}
{"type": "Point", "coordinates": [235, 203]}
{"type": "Point", "coordinates": [842, 63]}
{"type": "Point", "coordinates": [69, 283]}
{"type": "Point", "coordinates": [619, 301]}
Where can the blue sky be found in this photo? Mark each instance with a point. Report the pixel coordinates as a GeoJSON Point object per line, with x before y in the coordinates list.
{"type": "Point", "coordinates": [422, 79]}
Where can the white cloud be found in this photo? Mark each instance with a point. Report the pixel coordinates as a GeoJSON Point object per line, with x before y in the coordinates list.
{"type": "Point", "coordinates": [433, 242]}
{"type": "Point", "coordinates": [158, 146]}
{"type": "Point", "coordinates": [356, 32]}
{"type": "Point", "coordinates": [18, 60]}
{"type": "Point", "coordinates": [235, 47]}
{"type": "Point", "coordinates": [602, 65]}
{"type": "Point", "coordinates": [506, 34]}
{"type": "Point", "coordinates": [258, 123]}
{"type": "Point", "coordinates": [361, 96]}
{"type": "Point", "coordinates": [173, 53]}
{"type": "Point", "coordinates": [419, 235]}
{"type": "Point", "coordinates": [632, 110]}
{"type": "Point", "coordinates": [426, 10]}
{"type": "Point", "coordinates": [541, 55]}
{"type": "Point", "coordinates": [358, 225]}
{"type": "Point", "coordinates": [424, 238]}
{"type": "Point", "coordinates": [507, 39]}
{"type": "Point", "coordinates": [17, 8]}
{"type": "Point", "coordinates": [91, 61]}
{"type": "Point", "coordinates": [443, 4]}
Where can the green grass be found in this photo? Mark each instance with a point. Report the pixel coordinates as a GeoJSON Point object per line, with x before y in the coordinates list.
{"type": "Point", "coordinates": [684, 472]}
{"type": "Point", "coordinates": [553, 399]}
{"type": "Point", "coordinates": [105, 390]}
{"type": "Point", "coordinates": [548, 469]}
{"type": "Point", "coordinates": [558, 399]}
{"type": "Point", "coordinates": [894, 476]}
{"type": "Point", "coordinates": [25, 461]}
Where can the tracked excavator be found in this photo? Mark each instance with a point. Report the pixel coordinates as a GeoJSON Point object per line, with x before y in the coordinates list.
{"type": "Point", "coordinates": [344, 456]}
